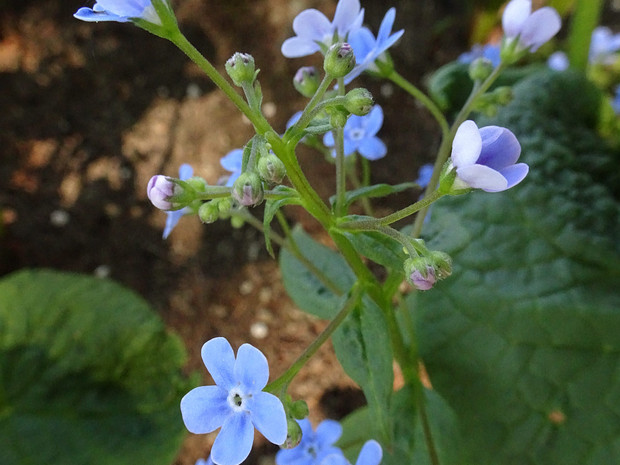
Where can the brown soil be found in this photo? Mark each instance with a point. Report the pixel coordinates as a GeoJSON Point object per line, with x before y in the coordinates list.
{"type": "Point", "coordinates": [91, 111]}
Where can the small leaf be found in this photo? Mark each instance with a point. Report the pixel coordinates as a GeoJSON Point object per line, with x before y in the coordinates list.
{"type": "Point", "coordinates": [379, 248]}
{"type": "Point", "coordinates": [374, 191]}
{"type": "Point", "coordinates": [289, 197]}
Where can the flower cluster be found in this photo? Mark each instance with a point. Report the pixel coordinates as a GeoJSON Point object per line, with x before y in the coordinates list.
{"type": "Point", "coordinates": [236, 403]}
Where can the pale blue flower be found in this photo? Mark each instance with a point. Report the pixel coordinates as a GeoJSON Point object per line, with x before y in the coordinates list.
{"type": "Point", "coordinates": [121, 11]}
{"type": "Point", "coordinates": [313, 30]}
{"type": "Point", "coordinates": [488, 51]}
{"type": "Point", "coordinates": [371, 454]}
{"type": "Point", "coordinates": [314, 445]}
{"type": "Point", "coordinates": [424, 175]}
{"type": "Point", "coordinates": [615, 103]}
{"type": "Point", "coordinates": [360, 135]}
{"type": "Point", "coordinates": [173, 217]}
{"type": "Point", "coordinates": [604, 46]}
{"type": "Point", "coordinates": [558, 61]}
{"type": "Point", "coordinates": [531, 29]}
{"type": "Point", "coordinates": [232, 162]}
{"type": "Point", "coordinates": [236, 403]}
{"type": "Point", "coordinates": [485, 158]}
{"type": "Point", "coordinates": [367, 49]}
{"type": "Point", "coordinates": [204, 462]}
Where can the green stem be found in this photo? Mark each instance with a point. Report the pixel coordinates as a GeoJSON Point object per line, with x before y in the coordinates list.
{"type": "Point", "coordinates": [308, 114]}
{"type": "Point", "coordinates": [422, 98]}
{"type": "Point", "coordinates": [255, 117]}
{"type": "Point", "coordinates": [341, 180]}
{"type": "Point", "coordinates": [585, 19]}
{"type": "Point", "coordinates": [281, 384]}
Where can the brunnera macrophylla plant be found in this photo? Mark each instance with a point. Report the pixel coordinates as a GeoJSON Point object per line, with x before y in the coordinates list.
{"type": "Point", "coordinates": [344, 125]}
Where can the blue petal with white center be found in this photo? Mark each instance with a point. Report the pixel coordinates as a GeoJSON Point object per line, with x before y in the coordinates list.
{"type": "Point", "coordinates": [236, 404]}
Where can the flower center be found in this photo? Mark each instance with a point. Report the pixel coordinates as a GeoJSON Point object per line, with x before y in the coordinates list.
{"type": "Point", "coordinates": [236, 399]}
{"type": "Point", "coordinates": [356, 134]}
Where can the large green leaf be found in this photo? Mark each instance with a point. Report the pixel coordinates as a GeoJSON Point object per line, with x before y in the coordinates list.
{"type": "Point", "coordinates": [88, 374]}
{"type": "Point", "coordinates": [319, 297]}
{"type": "Point", "coordinates": [362, 346]}
{"type": "Point", "coordinates": [523, 340]}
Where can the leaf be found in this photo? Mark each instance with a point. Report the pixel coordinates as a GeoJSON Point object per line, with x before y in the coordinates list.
{"type": "Point", "coordinates": [523, 339]}
{"type": "Point", "coordinates": [311, 294]}
{"type": "Point", "coordinates": [289, 197]}
{"type": "Point", "coordinates": [362, 346]}
{"type": "Point", "coordinates": [88, 374]}
{"type": "Point", "coordinates": [379, 248]}
{"type": "Point", "coordinates": [374, 191]}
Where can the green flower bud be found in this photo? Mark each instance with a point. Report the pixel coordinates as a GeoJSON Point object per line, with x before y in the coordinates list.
{"type": "Point", "coordinates": [271, 169]}
{"type": "Point", "coordinates": [338, 117]}
{"type": "Point", "coordinates": [299, 409]}
{"type": "Point", "coordinates": [480, 69]}
{"type": "Point", "coordinates": [293, 434]}
{"type": "Point", "coordinates": [503, 95]}
{"type": "Point", "coordinates": [209, 212]}
{"type": "Point", "coordinates": [339, 60]}
{"type": "Point", "coordinates": [359, 101]}
{"type": "Point", "coordinates": [307, 81]}
{"type": "Point", "coordinates": [224, 205]}
{"type": "Point", "coordinates": [248, 189]}
{"type": "Point", "coordinates": [241, 69]}
{"type": "Point", "coordinates": [442, 263]}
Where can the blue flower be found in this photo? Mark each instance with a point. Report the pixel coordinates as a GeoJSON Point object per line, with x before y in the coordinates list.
{"type": "Point", "coordinates": [424, 175]}
{"type": "Point", "coordinates": [531, 30]}
{"type": "Point", "coordinates": [314, 31]}
{"type": "Point", "coordinates": [367, 49]}
{"type": "Point", "coordinates": [360, 135]}
{"type": "Point", "coordinates": [204, 462]}
{"type": "Point", "coordinates": [370, 454]}
{"type": "Point", "coordinates": [558, 61]}
{"type": "Point", "coordinates": [121, 11]}
{"type": "Point", "coordinates": [314, 445]}
{"type": "Point", "coordinates": [232, 162]}
{"type": "Point", "coordinates": [615, 102]}
{"type": "Point", "coordinates": [173, 217]}
{"type": "Point", "coordinates": [488, 51]}
{"type": "Point", "coordinates": [485, 158]}
{"type": "Point", "coordinates": [604, 45]}
{"type": "Point", "coordinates": [236, 402]}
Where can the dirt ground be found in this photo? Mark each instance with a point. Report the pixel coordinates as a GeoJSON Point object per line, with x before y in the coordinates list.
{"type": "Point", "coordinates": [89, 112]}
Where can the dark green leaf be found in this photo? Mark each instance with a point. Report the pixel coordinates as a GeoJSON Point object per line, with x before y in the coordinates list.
{"type": "Point", "coordinates": [379, 248]}
{"type": "Point", "coordinates": [319, 297]}
{"type": "Point", "coordinates": [88, 374]}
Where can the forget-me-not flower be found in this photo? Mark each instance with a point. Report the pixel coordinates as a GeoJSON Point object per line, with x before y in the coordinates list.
{"type": "Point", "coordinates": [314, 445]}
{"type": "Point", "coordinates": [121, 11]}
{"type": "Point", "coordinates": [232, 162]}
{"type": "Point", "coordinates": [236, 403]}
{"type": "Point", "coordinates": [315, 32]}
{"type": "Point", "coordinates": [367, 49]}
{"type": "Point", "coordinates": [604, 47]}
{"type": "Point", "coordinates": [424, 175]}
{"type": "Point", "coordinates": [485, 158]}
{"type": "Point", "coordinates": [370, 454]}
{"type": "Point", "coordinates": [530, 29]}
{"type": "Point", "coordinates": [488, 51]}
{"type": "Point", "coordinates": [360, 135]}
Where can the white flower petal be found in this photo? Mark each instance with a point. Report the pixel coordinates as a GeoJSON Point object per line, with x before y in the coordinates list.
{"type": "Point", "coordinates": [482, 177]}
{"type": "Point", "coordinates": [467, 145]}
{"type": "Point", "coordinates": [514, 17]}
{"type": "Point", "coordinates": [541, 26]}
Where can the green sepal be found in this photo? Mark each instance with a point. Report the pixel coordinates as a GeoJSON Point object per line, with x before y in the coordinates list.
{"type": "Point", "coordinates": [286, 196]}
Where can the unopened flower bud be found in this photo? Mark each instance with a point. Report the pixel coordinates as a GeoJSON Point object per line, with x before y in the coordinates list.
{"type": "Point", "coordinates": [299, 409]}
{"type": "Point", "coordinates": [241, 69]}
{"type": "Point", "coordinates": [442, 263]}
{"type": "Point", "coordinates": [248, 189]}
{"type": "Point", "coordinates": [339, 60]}
{"type": "Point", "coordinates": [420, 273]}
{"type": "Point", "coordinates": [168, 193]}
{"type": "Point", "coordinates": [480, 69]}
{"type": "Point", "coordinates": [307, 81]}
{"type": "Point", "coordinates": [271, 169]}
{"type": "Point", "coordinates": [338, 117]}
{"type": "Point", "coordinates": [503, 95]}
{"type": "Point", "coordinates": [293, 434]}
{"type": "Point", "coordinates": [209, 212]}
{"type": "Point", "coordinates": [224, 205]}
{"type": "Point", "coordinates": [359, 101]}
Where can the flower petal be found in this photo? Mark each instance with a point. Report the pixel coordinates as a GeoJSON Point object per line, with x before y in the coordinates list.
{"type": "Point", "coordinates": [185, 171]}
{"type": "Point", "coordinates": [372, 122]}
{"type": "Point", "coordinates": [386, 25]}
{"type": "Point", "coordinates": [232, 161]}
{"type": "Point", "coordinates": [128, 8]}
{"type": "Point", "coordinates": [328, 432]}
{"type": "Point", "coordinates": [515, 174]}
{"type": "Point", "coordinates": [334, 459]}
{"type": "Point", "coordinates": [205, 409]}
{"type": "Point", "coordinates": [482, 177]}
{"type": "Point", "coordinates": [312, 25]}
{"type": "Point", "coordinates": [219, 358]}
{"type": "Point", "coordinates": [346, 16]}
{"type": "Point", "coordinates": [268, 417]}
{"type": "Point", "coordinates": [500, 147]}
{"type": "Point", "coordinates": [372, 148]}
{"type": "Point", "coordinates": [541, 26]}
{"type": "Point", "coordinates": [514, 17]}
{"type": "Point", "coordinates": [172, 218]}
{"type": "Point", "coordinates": [296, 47]}
{"type": "Point", "coordinates": [467, 144]}
{"type": "Point", "coordinates": [370, 454]}
{"type": "Point", "coordinates": [234, 442]}
{"type": "Point", "coordinates": [251, 368]}
{"type": "Point", "coordinates": [87, 14]}
{"type": "Point", "coordinates": [328, 139]}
